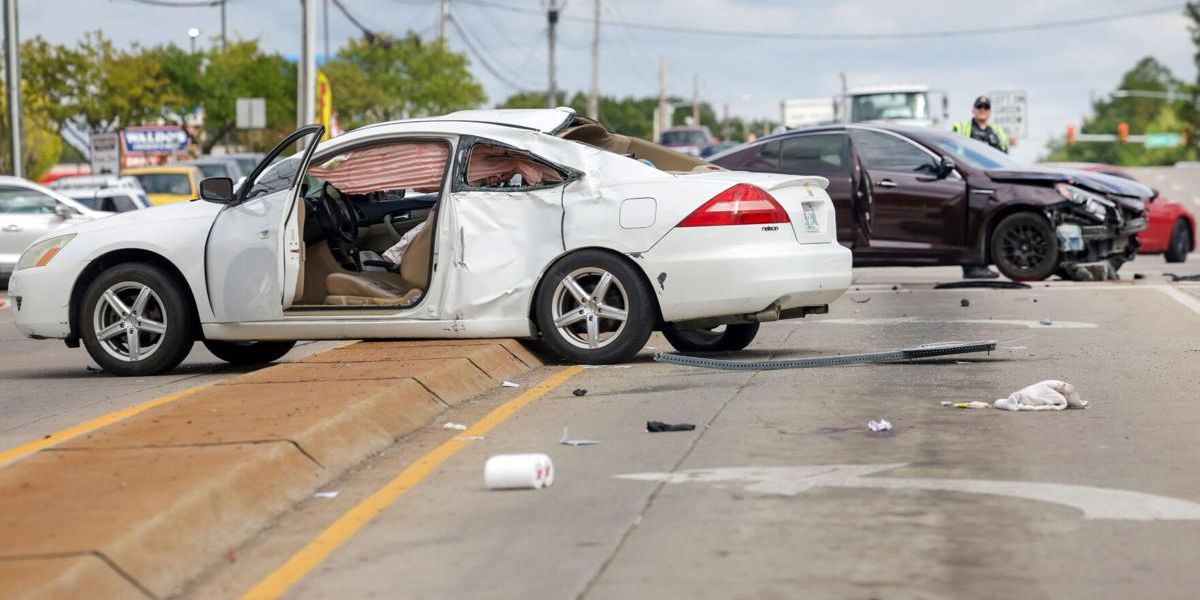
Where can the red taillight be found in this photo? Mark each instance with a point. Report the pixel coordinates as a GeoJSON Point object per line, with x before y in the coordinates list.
{"type": "Point", "coordinates": [742, 204]}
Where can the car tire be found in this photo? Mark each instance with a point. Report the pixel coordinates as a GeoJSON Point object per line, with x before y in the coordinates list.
{"type": "Point", "coordinates": [578, 329]}
{"type": "Point", "coordinates": [1180, 243]}
{"type": "Point", "coordinates": [137, 301]}
{"type": "Point", "coordinates": [1024, 247]}
{"type": "Point", "coordinates": [734, 338]}
{"type": "Point", "coordinates": [249, 353]}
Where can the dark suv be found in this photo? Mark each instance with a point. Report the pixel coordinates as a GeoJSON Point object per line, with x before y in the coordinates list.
{"type": "Point", "coordinates": [909, 196]}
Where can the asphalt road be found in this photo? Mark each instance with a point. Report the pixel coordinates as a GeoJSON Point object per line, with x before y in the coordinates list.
{"type": "Point", "coordinates": [782, 492]}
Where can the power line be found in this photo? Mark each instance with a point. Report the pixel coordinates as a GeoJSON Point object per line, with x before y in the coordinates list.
{"type": "Point", "coordinates": [943, 33]}
{"type": "Point", "coordinates": [367, 33]}
{"type": "Point", "coordinates": [479, 56]}
{"type": "Point", "coordinates": [178, 3]}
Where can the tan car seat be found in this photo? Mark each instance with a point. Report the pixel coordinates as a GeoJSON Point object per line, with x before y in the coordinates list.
{"type": "Point", "coordinates": [357, 289]}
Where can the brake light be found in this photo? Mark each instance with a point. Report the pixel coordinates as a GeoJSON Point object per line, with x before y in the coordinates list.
{"type": "Point", "coordinates": [742, 204]}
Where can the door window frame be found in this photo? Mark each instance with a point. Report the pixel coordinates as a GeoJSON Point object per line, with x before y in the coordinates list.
{"type": "Point", "coordinates": [935, 156]}
{"type": "Point", "coordinates": [462, 156]}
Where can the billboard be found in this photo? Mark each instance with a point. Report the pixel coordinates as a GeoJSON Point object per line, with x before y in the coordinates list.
{"type": "Point", "coordinates": [156, 138]}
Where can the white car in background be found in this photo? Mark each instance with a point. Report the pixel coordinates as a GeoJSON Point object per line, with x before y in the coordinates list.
{"type": "Point", "coordinates": [538, 223]}
{"type": "Point", "coordinates": [29, 211]}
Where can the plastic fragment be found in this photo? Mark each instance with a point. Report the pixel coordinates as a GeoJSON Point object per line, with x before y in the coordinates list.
{"type": "Point", "coordinates": [659, 426]}
{"type": "Point", "coordinates": [1046, 321]}
{"type": "Point", "coordinates": [510, 384]}
{"type": "Point", "coordinates": [880, 425]}
{"type": "Point", "coordinates": [965, 303]}
{"type": "Point", "coordinates": [327, 495]}
{"type": "Point", "coordinates": [580, 392]}
{"type": "Point", "coordinates": [455, 426]}
{"type": "Point", "coordinates": [569, 442]}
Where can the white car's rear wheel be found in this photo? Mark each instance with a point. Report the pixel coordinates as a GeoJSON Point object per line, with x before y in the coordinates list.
{"type": "Point", "coordinates": [728, 339]}
{"type": "Point", "coordinates": [136, 321]}
{"type": "Point", "coordinates": [249, 353]}
{"type": "Point", "coordinates": [594, 308]}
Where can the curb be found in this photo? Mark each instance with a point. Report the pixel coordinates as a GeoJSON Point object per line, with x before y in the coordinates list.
{"type": "Point", "coordinates": [138, 508]}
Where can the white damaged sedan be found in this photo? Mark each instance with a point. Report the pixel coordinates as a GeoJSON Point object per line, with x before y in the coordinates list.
{"type": "Point", "coordinates": [515, 223]}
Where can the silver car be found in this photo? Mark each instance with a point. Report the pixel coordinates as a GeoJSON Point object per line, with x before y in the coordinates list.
{"type": "Point", "coordinates": [27, 211]}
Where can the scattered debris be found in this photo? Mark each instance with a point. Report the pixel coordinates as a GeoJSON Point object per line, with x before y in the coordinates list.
{"type": "Point", "coordinates": [91, 369]}
{"type": "Point", "coordinates": [469, 438]}
{"type": "Point", "coordinates": [1175, 277]}
{"type": "Point", "coordinates": [455, 426]}
{"type": "Point", "coordinates": [965, 303]}
{"type": "Point", "coordinates": [860, 300]}
{"type": "Point", "coordinates": [1139, 275]}
{"type": "Point", "coordinates": [327, 495]}
{"type": "Point", "coordinates": [1044, 395]}
{"type": "Point", "coordinates": [886, 356]}
{"type": "Point", "coordinates": [510, 384]}
{"type": "Point", "coordinates": [518, 471]}
{"type": "Point", "coordinates": [659, 426]}
{"type": "Point", "coordinates": [1015, 348]}
{"type": "Point", "coordinates": [231, 556]}
{"type": "Point", "coordinates": [568, 442]}
{"type": "Point", "coordinates": [879, 426]}
{"type": "Point", "coordinates": [971, 404]}
{"type": "Point", "coordinates": [579, 392]}
{"type": "Point", "coordinates": [982, 283]}
{"type": "Point", "coordinates": [1046, 321]}
{"type": "Point", "coordinates": [895, 288]}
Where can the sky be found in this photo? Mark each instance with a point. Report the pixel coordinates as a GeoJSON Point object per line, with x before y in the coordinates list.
{"type": "Point", "coordinates": [1059, 69]}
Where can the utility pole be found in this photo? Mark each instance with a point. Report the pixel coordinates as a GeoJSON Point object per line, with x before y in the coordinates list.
{"type": "Point", "coordinates": [223, 25]}
{"type": "Point", "coordinates": [306, 90]}
{"type": "Point", "coordinates": [662, 97]}
{"type": "Point", "coordinates": [552, 92]}
{"type": "Point", "coordinates": [445, 20]}
{"type": "Point", "coordinates": [325, 30]}
{"type": "Point", "coordinates": [594, 95]}
{"type": "Point", "coordinates": [695, 98]}
{"type": "Point", "coordinates": [12, 69]}
{"type": "Point", "coordinates": [725, 123]}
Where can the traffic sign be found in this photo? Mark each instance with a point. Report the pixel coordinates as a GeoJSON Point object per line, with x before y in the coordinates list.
{"type": "Point", "coordinates": [251, 113]}
{"type": "Point", "coordinates": [106, 153]}
{"type": "Point", "coordinates": [1162, 140]}
{"type": "Point", "coordinates": [1010, 111]}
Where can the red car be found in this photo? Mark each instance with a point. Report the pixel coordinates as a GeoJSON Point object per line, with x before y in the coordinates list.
{"type": "Point", "coordinates": [1172, 229]}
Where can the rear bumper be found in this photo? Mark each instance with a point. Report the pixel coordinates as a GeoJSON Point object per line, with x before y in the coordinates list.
{"type": "Point", "coordinates": [706, 272]}
{"type": "Point", "coordinates": [41, 300]}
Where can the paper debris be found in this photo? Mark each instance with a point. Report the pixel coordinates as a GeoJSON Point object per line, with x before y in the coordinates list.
{"type": "Point", "coordinates": [455, 426]}
{"type": "Point", "coordinates": [880, 425]}
{"type": "Point", "coordinates": [328, 495]}
{"type": "Point", "coordinates": [469, 438]}
{"type": "Point", "coordinates": [1043, 395]}
{"type": "Point", "coordinates": [568, 442]}
{"type": "Point", "coordinates": [510, 384]}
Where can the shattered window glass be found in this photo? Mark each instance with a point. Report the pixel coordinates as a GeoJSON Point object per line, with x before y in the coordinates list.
{"type": "Point", "coordinates": [496, 167]}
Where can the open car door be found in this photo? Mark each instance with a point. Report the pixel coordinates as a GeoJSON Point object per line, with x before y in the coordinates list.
{"type": "Point", "coordinates": [254, 255]}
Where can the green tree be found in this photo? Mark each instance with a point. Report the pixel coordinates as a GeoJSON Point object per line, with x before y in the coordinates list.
{"type": "Point", "coordinates": [1142, 115]}
{"type": "Point", "coordinates": [391, 77]}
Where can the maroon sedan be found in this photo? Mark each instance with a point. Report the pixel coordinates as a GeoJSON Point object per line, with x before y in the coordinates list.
{"type": "Point", "coordinates": [1172, 229]}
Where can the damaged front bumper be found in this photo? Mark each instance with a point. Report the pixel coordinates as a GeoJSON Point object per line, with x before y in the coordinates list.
{"type": "Point", "coordinates": [1082, 239]}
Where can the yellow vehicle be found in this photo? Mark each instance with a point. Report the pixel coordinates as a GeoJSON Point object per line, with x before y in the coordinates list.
{"type": "Point", "coordinates": [167, 184]}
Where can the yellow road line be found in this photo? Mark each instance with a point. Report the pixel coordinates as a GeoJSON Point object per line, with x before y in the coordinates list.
{"type": "Point", "coordinates": [28, 448]}
{"type": "Point", "coordinates": [341, 530]}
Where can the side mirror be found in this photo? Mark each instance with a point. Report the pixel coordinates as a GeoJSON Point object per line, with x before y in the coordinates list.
{"type": "Point", "coordinates": [64, 212]}
{"type": "Point", "coordinates": [946, 164]}
{"type": "Point", "coordinates": [218, 190]}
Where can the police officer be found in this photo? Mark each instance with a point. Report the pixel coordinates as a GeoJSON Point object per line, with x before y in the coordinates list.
{"type": "Point", "coordinates": [977, 128]}
{"type": "Point", "coordinates": [993, 135]}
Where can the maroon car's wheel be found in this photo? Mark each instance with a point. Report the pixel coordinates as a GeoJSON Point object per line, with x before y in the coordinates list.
{"type": "Point", "coordinates": [1180, 243]}
{"type": "Point", "coordinates": [1024, 247]}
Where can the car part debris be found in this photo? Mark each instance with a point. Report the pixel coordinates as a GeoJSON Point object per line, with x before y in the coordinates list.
{"type": "Point", "coordinates": [879, 426]}
{"type": "Point", "coordinates": [569, 442]}
{"type": "Point", "coordinates": [964, 303]}
{"type": "Point", "coordinates": [982, 283]}
{"type": "Point", "coordinates": [469, 438]}
{"type": "Point", "coordinates": [1139, 275]}
{"type": "Point", "coordinates": [659, 426]}
{"type": "Point", "coordinates": [1046, 321]}
{"type": "Point", "coordinates": [327, 495]}
{"type": "Point", "coordinates": [579, 392]}
{"type": "Point", "coordinates": [886, 356]}
{"type": "Point", "coordinates": [455, 426]}
{"type": "Point", "coordinates": [1043, 395]}
{"type": "Point", "coordinates": [1175, 277]}
{"type": "Point", "coordinates": [860, 300]}
{"type": "Point", "coordinates": [510, 384]}
{"type": "Point", "coordinates": [91, 369]}
{"type": "Point", "coordinates": [518, 472]}
{"type": "Point", "coordinates": [971, 404]}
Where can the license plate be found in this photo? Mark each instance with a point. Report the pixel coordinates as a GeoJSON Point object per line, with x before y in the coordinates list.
{"type": "Point", "coordinates": [811, 224]}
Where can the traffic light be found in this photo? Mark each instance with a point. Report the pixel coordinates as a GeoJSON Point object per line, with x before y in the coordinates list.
{"type": "Point", "coordinates": [1070, 135]}
{"type": "Point", "coordinates": [1123, 132]}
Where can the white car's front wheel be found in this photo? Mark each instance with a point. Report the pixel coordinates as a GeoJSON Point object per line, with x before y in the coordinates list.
{"type": "Point", "coordinates": [135, 320]}
{"type": "Point", "coordinates": [594, 308]}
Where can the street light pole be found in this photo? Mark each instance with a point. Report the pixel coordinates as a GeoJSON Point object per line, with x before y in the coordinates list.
{"type": "Point", "coordinates": [12, 68]}
{"type": "Point", "coordinates": [193, 33]}
{"type": "Point", "coordinates": [552, 92]}
{"type": "Point", "coordinates": [594, 94]}
{"type": "Point", "coordinates": [306, 79]}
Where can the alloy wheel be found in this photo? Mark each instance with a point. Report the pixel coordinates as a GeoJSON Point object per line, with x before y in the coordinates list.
{"type": "Point", "coordinates": [130, 321]}
{"type": "Point", "coordinates": [1024, 247]}
{"type": "Point", "coordinates": [590, 308]}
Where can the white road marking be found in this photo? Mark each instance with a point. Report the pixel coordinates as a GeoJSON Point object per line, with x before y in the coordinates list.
{"type": "Point", "coordinates": [1189, 301]}
{"type": "Point", "coordinates": [1094, 502]}
{"type": "Point", "coordinates": [922, 320]}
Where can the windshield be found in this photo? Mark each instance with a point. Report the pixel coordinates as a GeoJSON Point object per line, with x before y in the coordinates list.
{"type": "Point", "coordinates": [972, 153]}
{"type": "Point", "coordinates": [684, 138]}
{"type": "Point", "coordinates": [213, 169]}
{"type": "Point", "coordinates": [875, 107]}
{"type": "Point", "coordinates": [87, 199]}
{"type": "Point", "coordinates": [165, 183]}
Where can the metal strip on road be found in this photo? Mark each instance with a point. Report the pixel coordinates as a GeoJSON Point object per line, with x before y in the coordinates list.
{"type": "Point", "coordinates": [886, 356]}
{"type": "Point", "coordinates": [340, 531]}
{"type": "Point", "coordinates": [19, 452]}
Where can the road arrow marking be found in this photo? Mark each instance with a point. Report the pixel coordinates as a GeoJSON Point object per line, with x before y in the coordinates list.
{"type": "Point", "coordinates": [1094, 502]}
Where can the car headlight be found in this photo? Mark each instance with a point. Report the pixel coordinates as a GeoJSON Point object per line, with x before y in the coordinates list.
{"type": "Point", "coordinates": [1093, 204]}
{"type": "Point", "coordinates": [41, 253]}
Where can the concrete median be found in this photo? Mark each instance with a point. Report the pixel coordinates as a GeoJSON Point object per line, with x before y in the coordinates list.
{"type": "Point", "coordinates": [142, 506]}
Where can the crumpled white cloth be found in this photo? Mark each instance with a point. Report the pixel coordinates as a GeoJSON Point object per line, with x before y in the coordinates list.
{"type": "Point", "coordinates": [395, 254]}
{"type": "Point", "coordinates": [1044, 395]}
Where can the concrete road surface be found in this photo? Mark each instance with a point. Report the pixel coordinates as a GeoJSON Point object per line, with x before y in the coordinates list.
{"type": "Point", "coordinates": [782, 492]}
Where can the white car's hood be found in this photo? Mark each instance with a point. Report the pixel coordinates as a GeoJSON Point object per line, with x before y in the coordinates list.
{"type": "Point", "coordinates": [169, 213]}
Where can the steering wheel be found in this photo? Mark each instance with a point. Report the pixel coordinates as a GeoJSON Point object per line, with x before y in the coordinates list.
{"type": "Point", "coordinates": [339, 223]}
